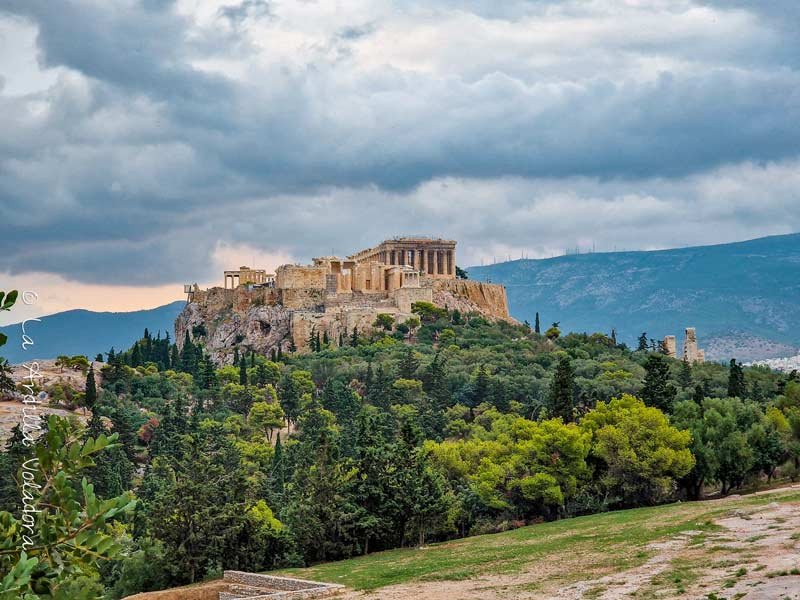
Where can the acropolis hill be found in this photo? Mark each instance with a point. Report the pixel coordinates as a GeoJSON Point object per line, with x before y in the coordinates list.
{"type": "Point", "coordinates": [333, 296]}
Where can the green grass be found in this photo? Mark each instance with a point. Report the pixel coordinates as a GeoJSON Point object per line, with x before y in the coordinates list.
{"type": "Point", "coordinates": [607, 542]}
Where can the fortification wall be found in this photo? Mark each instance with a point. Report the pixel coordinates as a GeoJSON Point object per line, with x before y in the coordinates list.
{"type": "Point", "coordinates": [298, 277]}
{"type": "Point", "coordinates": [302, 298]}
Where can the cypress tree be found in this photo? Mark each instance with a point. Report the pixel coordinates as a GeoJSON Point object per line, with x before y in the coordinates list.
{"type": "Point", "coordinates": [736, 385]}
{"type": "Point", "coordinates": [242, 372]}
{"type": "Point", "coordinates": [354, 338]}
{"type": "Point", "coordinates": [90, 396]}
{"type": "Point", "coordinates": [699, 394]}
{"type": "Point", "coordinates": [174, 359]}
{"type": "Point", "coordinates": [188, 361]}
{"type": "Point", "coordinates": [408, 364]}
{"type": "Point", "coordinates": [252, 358]}
{"type": "Point", "coordinates": [685, 374]}
{"type": "Point", "coordinates": [236, 355]}
{"type": "Point", "coordinates": [136, 355]}
{"type": "Point", "coordinates": [562, 391]}
{"type": "Point", "coordinates": [537, 327]}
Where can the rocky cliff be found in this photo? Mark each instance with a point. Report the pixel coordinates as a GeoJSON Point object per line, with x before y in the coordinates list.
{"type": "Point", "coordinates": [265, 319]}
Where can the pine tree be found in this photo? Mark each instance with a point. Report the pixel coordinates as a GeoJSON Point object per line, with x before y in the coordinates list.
{"type": "Point", "coordinates": [736, 384]}
{"type": "Point", "coordinates": [657, 390]}
{"type": "Point", "coordinates": [562, 391]}
{"type": "Point", "coordinates": [537, 327]}
{"type": "Point", "coordinates": [642, 347]}
{"type": "Point", "coordinates": [90, 396]}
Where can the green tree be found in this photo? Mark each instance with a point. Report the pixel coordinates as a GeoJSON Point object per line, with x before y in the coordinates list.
{"type": "Point", "coordinates": [657, 390]}
{"type": "Point", "coordinates": [409, 364]}
{"type": "Point", "coordinates": [640, 454]}
{"type": "Point", "coordinates": [643, 344]}
{"type": "Point", "coordinates": [242, 372]}
{"type": "Point", "coordinates": [90, 396]}
{"type": "Point", "coordinates": [60, 560]}
{"type": "Point", "coordinates": [736, 384]}
{"type": "Point", "coordinates": [562, 391]}
{"type": "Point", "coordinates": [384, 321]}
{"type": "Point", "coordinates": [266, 417]}
{"type": "Point", "coordinates": [537, 325]}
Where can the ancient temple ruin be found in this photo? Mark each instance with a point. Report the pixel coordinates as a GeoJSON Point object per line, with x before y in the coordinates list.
{"type": "Point", "coordinates": [333, 297]}
{"type": "Point", "coordinates": [691, 353]}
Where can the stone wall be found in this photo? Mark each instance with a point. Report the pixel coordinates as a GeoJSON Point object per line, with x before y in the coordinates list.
{"type": "Point", "coordinates": [405, 297]}
{"type": "Point", "coordinates": [302, 298]}
{"type": "Point", "coordinates": [300, 277]}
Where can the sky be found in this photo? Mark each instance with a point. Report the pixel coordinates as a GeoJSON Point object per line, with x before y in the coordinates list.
{"type": "Point", "coordinates": [151, 143]}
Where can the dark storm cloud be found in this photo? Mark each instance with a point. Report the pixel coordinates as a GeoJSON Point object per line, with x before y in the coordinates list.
{"type": "Point", "coordinates": [139, 159]}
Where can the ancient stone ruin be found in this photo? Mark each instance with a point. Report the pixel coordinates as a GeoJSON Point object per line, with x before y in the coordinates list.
{"type": "Point", "coordinates": [332, 297]}
{"type": "Point", "coordinates": [238, 585]}
{"type": "Point", "coordinates": [691, 353]}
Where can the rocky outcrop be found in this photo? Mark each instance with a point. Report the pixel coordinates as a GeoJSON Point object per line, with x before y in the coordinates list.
{"type": "Point", "coordinates": [265, 319]}
{"type": "Point", "coordinates": [223, 319]}
{"type": "Point", "coordinates": [467, 296]}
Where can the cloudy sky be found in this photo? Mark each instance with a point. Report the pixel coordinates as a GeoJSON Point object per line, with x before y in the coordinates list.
{"type": "Point", "coordinates": [148, 143]}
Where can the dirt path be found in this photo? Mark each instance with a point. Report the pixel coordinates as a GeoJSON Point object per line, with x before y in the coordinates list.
{"type": "Point", "coordinates": [751, 554]}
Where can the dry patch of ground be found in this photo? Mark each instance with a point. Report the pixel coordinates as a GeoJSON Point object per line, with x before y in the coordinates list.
{"type": "Point", "coordinates": [731, 548]}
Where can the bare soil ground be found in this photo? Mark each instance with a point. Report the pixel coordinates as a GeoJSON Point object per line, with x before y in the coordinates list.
{"type": "Point", "coordinates": [11, 406]}
{"type": "Point", "coordinates": [751, 552]}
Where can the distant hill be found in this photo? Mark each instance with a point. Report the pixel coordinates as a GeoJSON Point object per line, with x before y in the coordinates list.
{"type": "Point", "coordinates": [85, 332]}
{"type": "Point", "coordinates": [743, 298]}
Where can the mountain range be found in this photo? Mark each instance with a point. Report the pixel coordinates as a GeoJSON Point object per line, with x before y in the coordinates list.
{"type": "Point", "coordinates": [86, 332]}
{"type": "Point", "coordinates": [743, 298]}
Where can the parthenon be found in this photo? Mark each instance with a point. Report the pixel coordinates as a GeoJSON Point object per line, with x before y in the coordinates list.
{"type": "Point", "coordinates": [432, 257]}
{"type": "Point", "coordinates": [391, 265]}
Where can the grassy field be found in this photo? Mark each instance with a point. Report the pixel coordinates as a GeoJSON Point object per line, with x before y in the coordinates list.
{"type": "Point", "coordinates": [562, 552]}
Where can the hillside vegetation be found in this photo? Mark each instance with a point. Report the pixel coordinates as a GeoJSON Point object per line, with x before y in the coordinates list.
{"type": "Point", "coordinates": [448, 427]}
{"type": "Point", "coordinates": [741, 297]}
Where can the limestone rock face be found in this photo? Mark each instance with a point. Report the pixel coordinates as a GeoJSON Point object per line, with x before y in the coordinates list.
{"type": "Point", "coordinates": [466, 296]}
{"type": "Point", "coordinates": [265, 319]}
{"type": "Point", "coordinates": [234, 318]}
